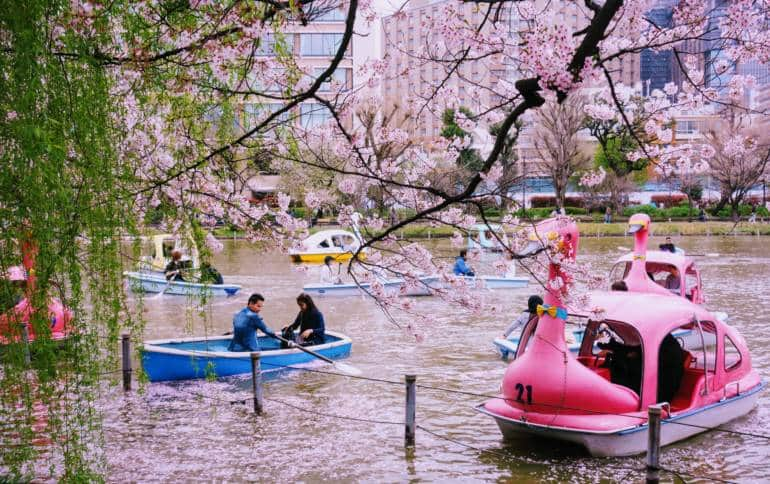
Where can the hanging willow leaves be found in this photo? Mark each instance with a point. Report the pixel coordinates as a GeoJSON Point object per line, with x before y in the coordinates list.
{"type": "Point", "coordinates": [60, 187]}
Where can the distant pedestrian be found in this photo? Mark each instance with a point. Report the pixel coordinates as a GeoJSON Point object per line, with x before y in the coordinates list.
{"type": "Point", "coordinates": [608, 215]}
{"type": "Point", "coordinates": [753, 216]}
{"type": "Point", "coordinates": [393, 216]}
{"type": "Point", "coordinates": [701, 214]}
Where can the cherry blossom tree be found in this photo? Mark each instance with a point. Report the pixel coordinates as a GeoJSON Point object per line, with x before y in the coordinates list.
{"type": "Point", "coordinates": [557, 143]}
{"type": "Point", "coordinates": [737, 153]}
{"type": "Point", "coordinates": [187, 99]}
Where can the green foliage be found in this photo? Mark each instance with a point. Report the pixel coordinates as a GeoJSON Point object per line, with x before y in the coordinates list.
{"type": "Point", "coordinates": [469, 158]}
{"type": "Point", "coordinates": [743, 211]}
{"type": "Point", "coordinates": [614, 156]}
{"type": "Point", "coordinates": [694, 191]}
{"type": "Point", "coordinates": [545, 212]}
{"type": "Point", "coordinates": [63, 189]}
{"type": "Point", "coordinates": [683, 211]}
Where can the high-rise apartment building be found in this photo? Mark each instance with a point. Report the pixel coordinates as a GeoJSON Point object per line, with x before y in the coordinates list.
{"type": "Point", "coordinates": [406, 36]}
{"type": "Point", "coordinates": [313, 47]}
{"type": "Point", "coordinates": [720, 68]}
{"type": "Point", "coordinates": [656, 68]}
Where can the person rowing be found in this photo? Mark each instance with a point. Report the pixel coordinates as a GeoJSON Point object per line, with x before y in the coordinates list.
{"type": "Point", "coordinates": [174, 268]}
{"type": "Point", "coordinates": [460, 267]}
{"type": "Point", "coordinates": [246, 322]}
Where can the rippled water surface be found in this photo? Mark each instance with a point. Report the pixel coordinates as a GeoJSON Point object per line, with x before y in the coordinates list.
{"type": "Point", "coordinates": [191, 431]}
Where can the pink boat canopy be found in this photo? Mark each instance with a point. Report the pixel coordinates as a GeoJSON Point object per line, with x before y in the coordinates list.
{"type": "Point", "coordinates": [639, 348]}
{"type": "Point", "coordinates": [655, 271]}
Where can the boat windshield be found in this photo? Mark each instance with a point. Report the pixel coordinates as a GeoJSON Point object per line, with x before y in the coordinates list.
{"type": "Point", "coordinates": [573, 333]}
{"type": "Point", "coordinates": [614, 349]}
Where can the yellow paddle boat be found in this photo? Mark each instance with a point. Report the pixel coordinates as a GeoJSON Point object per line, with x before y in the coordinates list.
{"type": "Point", "coordinates": [339, 244]}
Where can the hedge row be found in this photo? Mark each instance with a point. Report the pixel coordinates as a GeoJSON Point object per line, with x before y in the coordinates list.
{"type": "Point", "coordinates": [683, 211]}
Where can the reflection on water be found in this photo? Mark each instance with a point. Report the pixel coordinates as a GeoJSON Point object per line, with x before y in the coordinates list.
{"type": "Point", "coordinates": [173, 433]}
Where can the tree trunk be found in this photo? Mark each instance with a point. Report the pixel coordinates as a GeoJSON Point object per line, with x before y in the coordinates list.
{"type": "Point", "coordinates": [560, 191]}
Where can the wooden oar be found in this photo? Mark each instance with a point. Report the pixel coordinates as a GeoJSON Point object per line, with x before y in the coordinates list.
{"type": "Point", "coordinates": [340, 366]}
{"type": "Point", "coordinates": [349, 369]}
{"type": "Point", "coordinates": [165, 288]}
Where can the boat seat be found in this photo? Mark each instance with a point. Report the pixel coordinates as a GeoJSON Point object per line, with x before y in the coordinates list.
{"type": "Point", "coordinates": [691, 385]}
{"type": "Point", "coordinates": [595, 363]}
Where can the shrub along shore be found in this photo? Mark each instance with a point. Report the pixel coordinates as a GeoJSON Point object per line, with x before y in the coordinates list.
{"type": "Point", "coordinates": [587, 229]}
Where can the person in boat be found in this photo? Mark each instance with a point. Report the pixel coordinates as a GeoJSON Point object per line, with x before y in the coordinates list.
{"type": "Point", "coordinates": [174, 267]}
{"type": "Point", "coordinates": [532, 303]}
{"type": "Point", "coordinates": [624, 362]}
{"type": "Point", "coordinates": [309, 321]}
{"type": "Point", "coordinates": [246, 322]}
{"type": "Point", "coordinates": [460, 267]}
{"type": "Point", "coordinates": [510, 266]}
{"type": "Point", "coordinates": [619, 286]}
{"type": "Point", "coordinates": [672, 282]}
{"type": "Point", "coordinates": [209, 275]}
{"type": "Point", "coordinates": [668, 246]}
{"type": "Point", "coordinates": [327, 274]}
{"type": "Point", "coordinates": [14, 287]}
{"type": "Point", "coordinates": [670, 368]}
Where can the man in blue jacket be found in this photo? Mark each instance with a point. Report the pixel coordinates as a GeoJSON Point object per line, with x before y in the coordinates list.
{"type": "Point", "coordinates": [246, 322]}
{"type": "Point", "coordinates": [461, 268]}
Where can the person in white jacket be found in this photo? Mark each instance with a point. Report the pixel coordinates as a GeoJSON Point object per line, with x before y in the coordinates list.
{"type": "Point", "coordinates": [532, 303]}
{"type": "Point", "coordinates": [328, 276]}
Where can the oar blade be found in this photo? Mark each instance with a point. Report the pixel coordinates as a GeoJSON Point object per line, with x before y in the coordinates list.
{"type": "Point", "coordinates": [346, 368]}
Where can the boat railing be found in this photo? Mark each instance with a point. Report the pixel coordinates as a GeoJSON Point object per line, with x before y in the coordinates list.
{"type": "Point", "coordinates": [727, 385]}
{"type": "Point", "coordinates": [705, 355]}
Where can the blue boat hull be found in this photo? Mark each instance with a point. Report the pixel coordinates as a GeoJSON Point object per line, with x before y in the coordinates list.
{"type": "Point", "coordinates": [191, 358]}
{"type": "Point", "coordinates": [148, 282]}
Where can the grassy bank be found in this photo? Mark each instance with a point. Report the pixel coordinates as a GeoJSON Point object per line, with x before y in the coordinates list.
{"type": "Point", "coordinates": [587, 229]}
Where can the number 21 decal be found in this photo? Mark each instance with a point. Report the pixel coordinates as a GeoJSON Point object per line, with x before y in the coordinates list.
{"type": "Point", "coordinates": [520, 388]}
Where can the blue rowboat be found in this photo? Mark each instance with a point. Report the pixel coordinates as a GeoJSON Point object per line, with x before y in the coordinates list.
{"type": "Point", "coordinates": [147, 282]}
{"type": "Point", "coordinates": [200, 357]}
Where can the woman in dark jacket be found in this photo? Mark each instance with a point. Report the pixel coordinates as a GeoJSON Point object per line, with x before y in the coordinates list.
{"type": "Point", "coordinates": [310, 322]}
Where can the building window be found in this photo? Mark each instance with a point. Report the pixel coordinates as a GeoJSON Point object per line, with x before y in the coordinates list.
{"type": "Point", "coordinates": [342, 78]}
{"type": "Point", "coordinates": [325, 45]}
{"type": "Point", "coordinates": [267, 45]}
{"type": "Point", "coordinates": [333, 14]}
{"type": "Point", "coordinates": [313, 114]}
{"type": "Point", "coordinates": [254, 113]}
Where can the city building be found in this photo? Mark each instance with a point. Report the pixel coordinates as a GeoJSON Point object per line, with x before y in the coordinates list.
{"type": "Point", "coordinates": [656, 67]}
{"type": "Point", "coordinates": [313, 47]}
{"type": "Point", "coordinates": [720, 68]}
{"type": "Point", "coordinates": [406, 36]}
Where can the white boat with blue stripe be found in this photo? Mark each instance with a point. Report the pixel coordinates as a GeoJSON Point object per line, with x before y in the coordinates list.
{"type": "Point", "coordinates": [426, 286]}
{"type": "Point", "coordinates": [155, 283]}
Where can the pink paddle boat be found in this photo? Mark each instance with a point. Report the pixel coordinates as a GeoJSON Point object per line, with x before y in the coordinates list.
{"type": "Point", "coordinates": [20, 314]}
{"type": "Point", "coordinates": [657, 271]}
{"type": "Point", "coordinates": [629, 359]}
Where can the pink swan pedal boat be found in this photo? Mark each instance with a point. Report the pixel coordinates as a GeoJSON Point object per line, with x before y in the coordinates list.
{"type": "Point", "coordinates": [599, 398]}
{"type": "Point", "coordinates": [11, 321]}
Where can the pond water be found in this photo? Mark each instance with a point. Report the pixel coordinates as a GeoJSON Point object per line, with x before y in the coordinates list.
{"type": "Point", "coordinates": [191, 431]}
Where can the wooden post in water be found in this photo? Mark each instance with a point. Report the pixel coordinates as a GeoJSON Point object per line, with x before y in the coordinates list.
{"type": "Point", "coordinates": [653, 443]}
{"type": "Point", "coordinates": [25, 342]}
{"type": "Point", "coordinates": [256, 383]}
{"type": "Point", "coordinates": [411, 406]}
{"type": "Point", "coordinates": [125, 345]}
